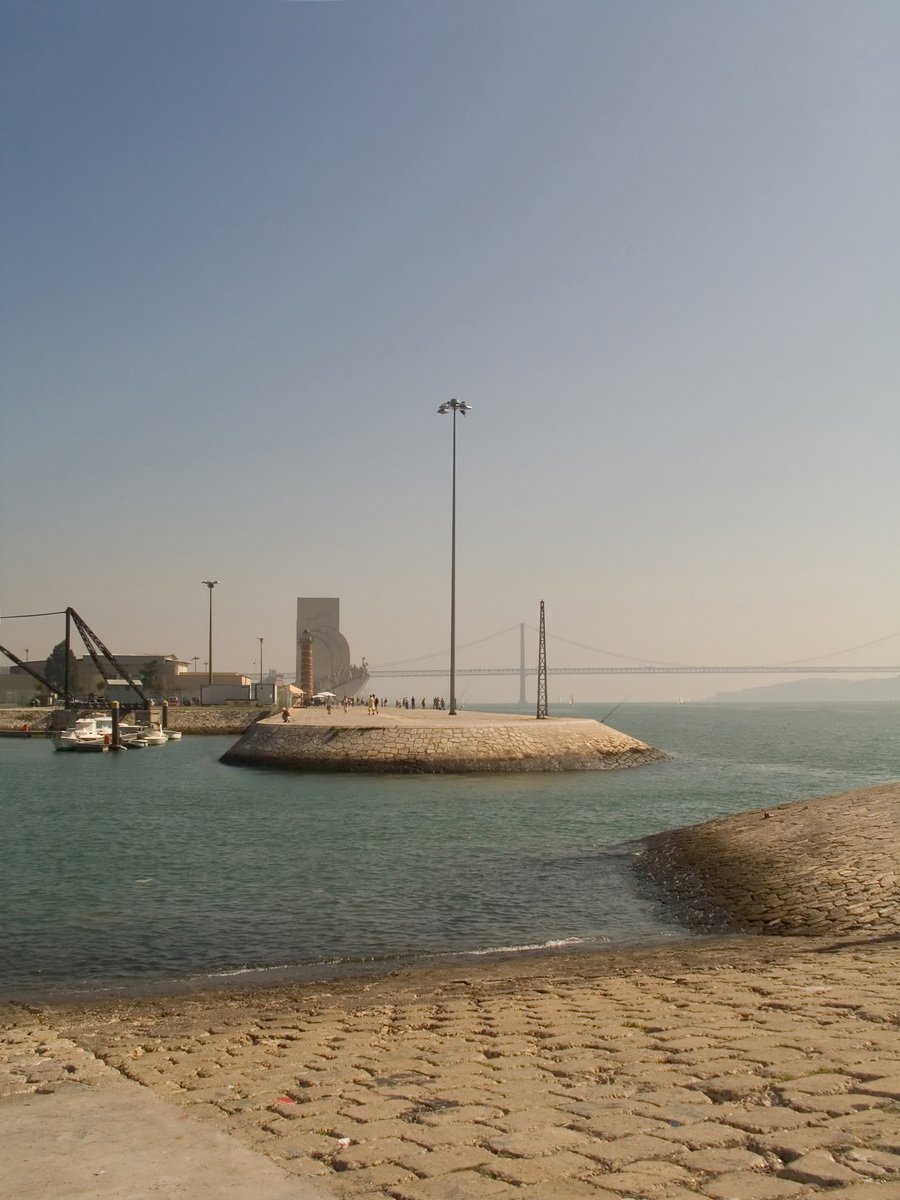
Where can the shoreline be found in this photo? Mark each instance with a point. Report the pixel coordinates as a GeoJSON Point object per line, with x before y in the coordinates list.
{"type": "Point", "coordinates": [429, 982]}
{"type": "Point", "coordinates": [750, 1067]}
{"type": "Point", "coordinates": [753, 1066]}
{"type": "Point", "coordinates": [261, 980]}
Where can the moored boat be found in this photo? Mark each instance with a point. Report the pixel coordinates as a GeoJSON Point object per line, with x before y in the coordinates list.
{"type": "Point", "coordinates": [85, 734]}
{"type": "Point", "coordinates": [94, 733]}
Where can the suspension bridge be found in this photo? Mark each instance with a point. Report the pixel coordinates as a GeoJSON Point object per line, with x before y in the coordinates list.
{"type": "Point", "coordinates": [625, 665]}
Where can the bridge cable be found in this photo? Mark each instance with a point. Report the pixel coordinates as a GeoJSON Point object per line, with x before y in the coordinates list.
{"type": "Point", "coordinates": [437, 653]}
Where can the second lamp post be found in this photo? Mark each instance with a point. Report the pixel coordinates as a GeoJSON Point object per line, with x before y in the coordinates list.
{"type": "Point", "coordinates": [454, 407]}
{"type": "Point", "coordinates": [210, 583]}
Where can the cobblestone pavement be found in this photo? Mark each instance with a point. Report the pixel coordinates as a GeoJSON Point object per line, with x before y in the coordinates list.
{"type": "Point", "coordinates": [826, 866]}
{"type": "Point", "coordinates": [745, 1069]}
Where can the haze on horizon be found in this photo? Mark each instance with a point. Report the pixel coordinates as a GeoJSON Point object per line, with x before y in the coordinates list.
{"type": "Point", "coordinates": [249, 249]}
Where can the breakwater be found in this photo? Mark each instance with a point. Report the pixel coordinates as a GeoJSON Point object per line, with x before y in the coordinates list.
{"type": "Point", "coordinates": [433, 742]}
{"type": "Point", "coordinates": [812, 868]}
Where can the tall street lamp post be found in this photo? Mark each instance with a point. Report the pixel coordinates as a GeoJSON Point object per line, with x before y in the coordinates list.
{"type": "Point", "coordinates": [260, 660]}
{"type": "Point", "coordinates": [454, 407]}
{"type": "Point", "coordinates": [210, 583]}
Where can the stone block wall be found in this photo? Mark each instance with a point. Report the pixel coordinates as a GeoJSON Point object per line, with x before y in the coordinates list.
{"type": "Point", "coordinates": [494, 747]}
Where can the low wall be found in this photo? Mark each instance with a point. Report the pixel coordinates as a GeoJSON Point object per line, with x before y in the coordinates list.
{"type": "Point", "coordinates": [492, 744]}
{"type": "Point", "coordinates": [214, 718]}
{"type": "Point", "coordinates": [815, 867]}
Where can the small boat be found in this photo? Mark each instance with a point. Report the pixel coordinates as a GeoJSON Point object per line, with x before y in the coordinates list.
{"type": "Point", "coordinates": [153, 737]}
{"type": "Point", "coordinates": [173, 735]}
{"type": "Point", "coordinates": [94, 733]}
{"type": "Point", "coordinates": [87, 733]}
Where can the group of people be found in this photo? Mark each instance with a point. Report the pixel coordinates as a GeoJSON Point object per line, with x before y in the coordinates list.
{"type": "Point", "coordinates": [374, 703]}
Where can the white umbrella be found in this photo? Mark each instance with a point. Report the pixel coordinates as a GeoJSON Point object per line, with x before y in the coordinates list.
{"type": "Point", "coordinates": [324, 696]}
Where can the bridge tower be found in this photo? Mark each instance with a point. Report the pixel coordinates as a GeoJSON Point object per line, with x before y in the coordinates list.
{"type": "Point", "coordinates": [522, 662]}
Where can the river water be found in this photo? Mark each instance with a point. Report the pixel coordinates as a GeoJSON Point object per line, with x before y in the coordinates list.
{"type": "Point", "coordinates": [144, 869]}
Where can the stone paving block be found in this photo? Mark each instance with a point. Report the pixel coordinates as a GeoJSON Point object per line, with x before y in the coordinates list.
{"type": "Point", "coordinates": [881, 1129]}
{"type": "Point", "coordinates": [832, 1106]}
{"type": "Point", "coordinates": [294, 1160]}
{"type": "Point", "coordinates": [426, 1114]}
{"type": "Point", "coordinates": [886, 1085]}
{"type": "Point", "coordinates": [524, 1119]}
{"type": "Point", "coordinates": [788, 1144]}
{"type": "Point", "coordinates": [722, 1162]}
{"type": "Point", "coordinates": [449, 1133]}
{"type": "Point", "coordinates": [821, 1169]}
{"type": "Point", "coordinates": [537, 1142]}
{"type": "Point", "coordinates": [522, 1171]}
{"type": "Point", "coordinates": [875, 1068]}
{"type": "Point", "coordinates": [873, 1162]}
{"type": "Point", "coordinates": [725, 1088]}
{"type": "Point", "coordinates": [461, 1185]}
{"type": "Point", "coordinates": [704, 1135]}
{"type": "Point", "coordinates": [760, 1119]}
{"type": "Point", "coordinates": [429, 1163]}
{"type": "Point", "coordinates": [627, 1150]}
{"type": "Point", "coordinates": [368, 1154]}
{"type": "Point", "coordinates": [316, 1145]}
{"type": "Point", "coordinates": [650, 1179]}
{"type": "Point", "coordinates": [373, 1181]}
{"type": "Point", "coordinates": [746, 1185]}
{"type": "Point", "coordinates": [827, 1083]}
{"type": "Point", "coordinates": [672, 1096]}
{"type": "Point", "coordinates": [379, 1110]}
{"type": "Point", "coordinates": [617, 1125]}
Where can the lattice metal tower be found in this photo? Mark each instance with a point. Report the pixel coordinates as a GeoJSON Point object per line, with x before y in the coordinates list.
{"type": "Point", "coordinates": [542, 670]}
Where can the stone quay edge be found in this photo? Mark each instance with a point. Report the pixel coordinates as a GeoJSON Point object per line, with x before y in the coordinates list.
{"type": "Point", "coordinates": [432, 742]}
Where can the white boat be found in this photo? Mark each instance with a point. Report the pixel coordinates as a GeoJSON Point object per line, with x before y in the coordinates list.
{"type": "Point", "coordinates": [86, 734]}
{"type": "Point", "coordinates": [93, 733]}
{"type": "Point", "coordinates": [173, 735]}
{"type": "Point", "coordinates": [153, 737]}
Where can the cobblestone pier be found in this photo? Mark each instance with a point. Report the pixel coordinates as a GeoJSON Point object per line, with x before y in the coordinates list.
{"type": "Point", "coordinates": [824, 866]}
{"type": "Point", "coordinates": [398, 740]}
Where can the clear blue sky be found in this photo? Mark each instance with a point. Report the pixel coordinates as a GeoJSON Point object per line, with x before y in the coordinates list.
{"type": "Point", "coordinates": [249, 248]}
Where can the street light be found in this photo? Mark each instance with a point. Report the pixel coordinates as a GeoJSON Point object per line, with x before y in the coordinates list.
{"type": "Point", "coordinates": [454, 407]}
{"type": "Point", "coordinates": [260, 660]}
{"type": "Point", "coordinates": [210, 583]}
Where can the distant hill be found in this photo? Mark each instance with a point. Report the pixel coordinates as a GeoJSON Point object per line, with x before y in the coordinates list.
{"type": "Point", "coordinates": [810, 690]}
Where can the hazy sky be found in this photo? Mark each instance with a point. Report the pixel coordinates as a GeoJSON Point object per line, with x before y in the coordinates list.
{"type": "Point", "coordinates": [249, 248]}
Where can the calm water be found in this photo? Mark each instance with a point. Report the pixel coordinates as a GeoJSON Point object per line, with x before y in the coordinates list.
{"type": "Point", "coordinates": [128, 870]}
